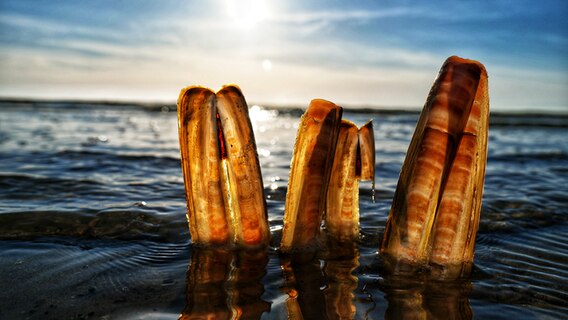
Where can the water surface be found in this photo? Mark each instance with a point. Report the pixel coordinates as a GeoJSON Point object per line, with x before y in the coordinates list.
{"type": "Point", "coordinates": [92, 224]}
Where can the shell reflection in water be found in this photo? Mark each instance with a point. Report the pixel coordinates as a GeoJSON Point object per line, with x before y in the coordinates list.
{"type": "Point", "coordinates": [411, 297]}
{"type": "Point", "coordinates": [305, 279]}
{"type": "Point", "coordinates": [223, 284]}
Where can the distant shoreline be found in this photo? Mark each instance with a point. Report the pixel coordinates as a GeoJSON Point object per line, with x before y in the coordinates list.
{"type": "Point", "coordinates": [292, 108]}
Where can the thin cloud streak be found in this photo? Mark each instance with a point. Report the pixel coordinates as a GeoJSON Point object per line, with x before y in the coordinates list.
{"type": "Point", "coordinates": [339, 16]}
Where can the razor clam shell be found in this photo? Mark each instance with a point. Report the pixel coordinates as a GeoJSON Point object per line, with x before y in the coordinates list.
{"type": "Point", "coordinates": [342, 205]}
{"type": "Point", "coordinates": [309, 174]}
{"type": "Point", "coordinates": [225, 197]}
{"type": "Point", "coordinates": [367, 151]}
{"type": "Point", "coordinates": [457, 220]}
{"type": "Point", "coordinates": [248, 206]}
{"type": "Point", "coordinates": [201, 166]}
{"type": "Point", "coordinates": [437, 141]}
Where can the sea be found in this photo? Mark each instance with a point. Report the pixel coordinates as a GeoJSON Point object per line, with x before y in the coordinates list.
{"type": "Point", "coordinates": [93, 224]}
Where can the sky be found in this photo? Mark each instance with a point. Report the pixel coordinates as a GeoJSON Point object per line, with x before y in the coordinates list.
{"type": "Point", "coordinates": [354, 53]}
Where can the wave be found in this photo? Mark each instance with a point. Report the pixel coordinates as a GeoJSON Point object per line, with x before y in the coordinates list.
{"type": "Point", "coordinates": [26, 181]}
{"type": "Point", "coordinates": [524, 268]}
{"type": "Point", "coordinates": [119, 157]}
{"type": "Point", "coordinates": [525, 156]}
{"type": "Point", "coordinates": [92, 279]}
{"type": "Point", "coordinates": [64, 105]}
{"type": "Point", "coordinates": [545, 117]}
{"type": "Point", "coordinates": [544, 120]}
{"type": "Point", "coordinates": [112, 223]}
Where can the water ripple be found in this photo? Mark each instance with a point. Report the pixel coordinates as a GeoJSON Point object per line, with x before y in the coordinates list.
{"type": "Point", "coordinates": [92, 215]}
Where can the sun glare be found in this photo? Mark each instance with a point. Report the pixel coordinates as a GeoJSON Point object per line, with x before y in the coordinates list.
{"type": "Point", "coordinates": [267, 65]}
{"type": "Point", "coordinates": [247, 13]}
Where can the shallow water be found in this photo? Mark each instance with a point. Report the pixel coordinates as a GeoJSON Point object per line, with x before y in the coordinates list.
{"type": "Point", "coordinates": [92, 224]}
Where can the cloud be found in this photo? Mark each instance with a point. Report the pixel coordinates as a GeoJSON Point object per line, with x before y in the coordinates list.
{"type": "Point", "coordinates": [342, 15]}
{"type": "Point", "coordinates": [384, 54]}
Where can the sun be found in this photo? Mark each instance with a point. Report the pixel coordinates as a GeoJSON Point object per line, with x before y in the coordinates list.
{"type": "Point", "coordinates": [267, 65]}
{"type": "Point", "coordinates": [247, 13]}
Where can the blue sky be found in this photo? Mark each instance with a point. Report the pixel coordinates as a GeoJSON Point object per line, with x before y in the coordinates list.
{"type": "Point", "coordinates": [372, 53]}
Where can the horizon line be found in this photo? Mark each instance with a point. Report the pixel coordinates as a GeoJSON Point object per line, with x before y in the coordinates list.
{"type": "Point", "coordinates": [352, 107]}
